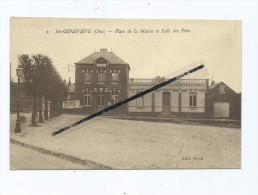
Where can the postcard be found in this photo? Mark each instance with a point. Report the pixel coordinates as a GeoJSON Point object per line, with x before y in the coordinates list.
{"type": "Point", "coordinates": [125, 94]}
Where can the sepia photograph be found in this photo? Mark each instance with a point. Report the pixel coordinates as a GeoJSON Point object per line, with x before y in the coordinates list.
{"type": "Point", "coordinates": [125, 94]}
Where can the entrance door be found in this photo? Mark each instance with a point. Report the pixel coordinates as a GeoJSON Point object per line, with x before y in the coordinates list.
{"type": "Point", "coordinates": [221, 110]}
{"type": "Point", "coordinates": [166, 102]}
{"type": "Point", "coordinates": [100, 102]}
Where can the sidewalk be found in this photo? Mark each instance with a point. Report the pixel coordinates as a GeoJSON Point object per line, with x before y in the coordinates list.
{"type": "Point", "coordinates": [231, 123]}
{"type": "Point", "coordinates": [108, 143]}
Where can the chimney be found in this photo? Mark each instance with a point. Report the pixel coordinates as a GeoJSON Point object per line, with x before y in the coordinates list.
{"type": "Point", "coordinates": [103, 50]}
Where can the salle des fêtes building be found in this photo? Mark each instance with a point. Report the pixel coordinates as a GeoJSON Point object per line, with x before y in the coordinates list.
{"type": "Point", "coordinates": [102, 79]}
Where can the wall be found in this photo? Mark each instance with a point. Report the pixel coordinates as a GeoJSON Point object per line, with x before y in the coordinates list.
{"type": "Point", "coordinates": [179, 96]}
{"type": "Point", "coordinates": [105, 88]}
{"type": "Point", "coordinates": [230, 96]}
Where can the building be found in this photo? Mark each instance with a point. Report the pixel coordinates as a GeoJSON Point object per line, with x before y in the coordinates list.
{"type": "Point", "coordinates": [223, 102]}
{"type": "Point", "coordinates": [70, 100]}
{"type": "Point", "coordinates": [101, 79]}
{"type": "Point", "coordinates": [185, 97]}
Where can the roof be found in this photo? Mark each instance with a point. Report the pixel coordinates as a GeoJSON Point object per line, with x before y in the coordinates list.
{"type": "Point", "coordinates": [215, 85]}
{"type": "Point", "coordinates": [212, 87]}
{"type": "Point", "coordinates": [109, 56]}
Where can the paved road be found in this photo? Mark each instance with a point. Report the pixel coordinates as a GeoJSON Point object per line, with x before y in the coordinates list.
{"type": "Point", "coordinates": [25, 158]}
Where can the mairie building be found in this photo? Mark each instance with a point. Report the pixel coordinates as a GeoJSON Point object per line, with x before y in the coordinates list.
{"type": "Point", "coordinates": [102, 79]}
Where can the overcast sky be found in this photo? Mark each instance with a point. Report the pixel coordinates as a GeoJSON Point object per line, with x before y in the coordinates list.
{"type": "Point", "coordinates": [217, 43]}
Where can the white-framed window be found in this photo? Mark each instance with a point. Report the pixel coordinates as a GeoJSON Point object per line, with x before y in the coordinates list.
{"type": "Point", "coordinates": [87, 99]}
{"type": "Point", "coordinates": [139, 100]}
{"type": "Point", "coordinates": [87, 77]}
{"type": "Point", "coordinates": [192, 99]}
{"type": "Point", "coordinates": [101, 100]}
{"type": "Point", "coordinates": [114, 97]}
{"type": "Point", "coordinates": [115, 77]}
{"type": "Point", "coordinates": [101, 76]}
{"type": "Point", "coordinates": [65, 104]}
{"type": "Point", "coordinates": [68, 104]}
{"type": "Point", "coordinates": [77, 104]}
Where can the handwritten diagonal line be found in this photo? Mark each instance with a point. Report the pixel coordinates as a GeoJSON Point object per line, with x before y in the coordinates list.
{"type": "Point", "coordinates": [128, 100]}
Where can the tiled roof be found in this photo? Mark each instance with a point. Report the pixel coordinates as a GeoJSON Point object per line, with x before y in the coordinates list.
{"type": "Point", "coordinates": [109, 56]}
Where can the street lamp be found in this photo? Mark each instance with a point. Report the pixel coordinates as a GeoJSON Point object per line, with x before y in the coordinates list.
{"type": "Point", "coordinates": [19, 72]}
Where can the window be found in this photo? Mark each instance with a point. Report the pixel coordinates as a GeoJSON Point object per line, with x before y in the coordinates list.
{"type": "Point", "coordinates": [101, 65]}
{"type": "Point", "coordinates": [71, 104]}
{"type": "Point", "coordinates": [101, 100]}
{"type": "Point", "coordinates": [87, 77]}
{"type": "Point", "coordinates": [114, 77]}
{"type": "Point", "coordinates": [101, 77]}
{"type": "Point", "coordinates": [87, 99]}
{"type": "Point", "coordinates": [192, 99]}
{"type": "Point", "coordinates": [68, 104]}
{"type": "Point", "coordinates": [222, 89]}
{"type": "Point", "coordinates": [77, 104]}
{"type": "Point", "coordinates": [139, 100]}
{"type": "Point", "coordinates": [114, 98]}
{"type": "Point", "coordinates": [65, 105]}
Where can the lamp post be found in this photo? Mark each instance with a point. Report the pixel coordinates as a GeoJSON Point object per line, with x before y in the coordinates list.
{"type": "Point", "coordinates": [18, 126]}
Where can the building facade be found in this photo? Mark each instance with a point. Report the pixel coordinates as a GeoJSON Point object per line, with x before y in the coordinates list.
{"type": "Point", "coordinates": [184, 97]}
{"type": "Point", "coordinates": [222, 102]}
{"type": "Point", "coordinates": [101, 80]}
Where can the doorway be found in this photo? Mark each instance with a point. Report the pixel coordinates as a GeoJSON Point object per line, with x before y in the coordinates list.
{"type": "Point", "coordinates": [166, 102]}
{"type": "Point", "coordinates": [221, 109]}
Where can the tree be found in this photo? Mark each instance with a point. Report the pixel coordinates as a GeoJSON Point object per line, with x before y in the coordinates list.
{"type": "Point", "coordinates": [45, 68]}
{"type": "Point", "coordinates": [58, 93]}
{"type": "Point", "coordinates": [30, 78]}
{"type": "Point", "coordinates": [42, 79]}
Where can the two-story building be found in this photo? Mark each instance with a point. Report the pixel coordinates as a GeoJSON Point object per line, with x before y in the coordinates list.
{"type": "Point", "coordinates": [101, 80]}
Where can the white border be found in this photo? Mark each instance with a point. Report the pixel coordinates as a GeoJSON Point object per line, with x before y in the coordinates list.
{"type": "Point", "coordinates": [200, 182]}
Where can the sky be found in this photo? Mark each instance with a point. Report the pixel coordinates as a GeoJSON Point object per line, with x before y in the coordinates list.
{"type": "Point", "coordinates": [163, 46]}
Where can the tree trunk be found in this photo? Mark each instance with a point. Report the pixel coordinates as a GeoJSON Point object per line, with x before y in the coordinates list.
{"type": "Point", "coordinates": [60, 107]}
{"type": "Point", "coordinates": [34, 111]}
{"type": "Point", "coordinates": [46, 109]}
{"type": "Point", "coordinates": [40, 110]}
{"type": "Point", "coordinates": [51, 109]}
{"type": "Point", "coordinates": [55, 108]}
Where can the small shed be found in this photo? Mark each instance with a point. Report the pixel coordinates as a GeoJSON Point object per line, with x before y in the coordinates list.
{"type": "Point", "coordinates": [222, 102]}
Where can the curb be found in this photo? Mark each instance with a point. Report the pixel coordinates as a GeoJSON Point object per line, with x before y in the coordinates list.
{"type": "Point", "coordinates": [62, 156]}
{"type": "Point", "coordinates": [199, 122]}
